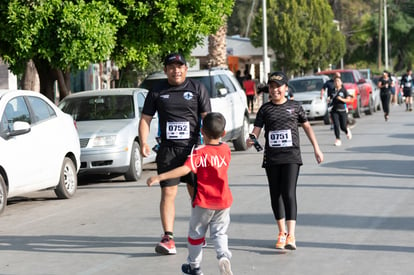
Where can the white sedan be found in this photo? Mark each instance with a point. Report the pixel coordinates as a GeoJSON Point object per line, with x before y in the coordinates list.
{"type": "Point", "coordinates": [307, 90]}
{"type": "Point", "coordinates": [39, 146]}
{"type": "Point", "coordinates": [107, 122]}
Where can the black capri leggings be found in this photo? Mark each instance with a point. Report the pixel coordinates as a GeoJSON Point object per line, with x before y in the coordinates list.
{"type": "Point", "coordinates": [282, 180]}
{"type": "Point", "coordinates": [340, 122]}
{"type": "Point", "coordinates": [385, 101]}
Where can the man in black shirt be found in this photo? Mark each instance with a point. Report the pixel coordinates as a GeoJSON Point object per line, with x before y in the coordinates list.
{"type": "Point", "coordinates": [407, 86]}
{"type": "Point", "coordinates": [329, 86]}
{"type": "Point", "coordinates": [181, 104]}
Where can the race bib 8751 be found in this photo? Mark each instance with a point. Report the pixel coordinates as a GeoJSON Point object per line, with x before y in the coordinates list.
{"type": "Point", "coordinates": [280, 138]}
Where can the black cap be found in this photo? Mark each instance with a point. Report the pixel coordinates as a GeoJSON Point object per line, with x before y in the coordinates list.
{"type": "Point", "coordinates": [174, 58]}
{"type": "Point", "coordinates": [279, 78]}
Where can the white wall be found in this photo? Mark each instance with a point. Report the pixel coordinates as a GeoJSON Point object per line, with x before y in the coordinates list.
{"type": "Point", "coordinates": [7, 79]}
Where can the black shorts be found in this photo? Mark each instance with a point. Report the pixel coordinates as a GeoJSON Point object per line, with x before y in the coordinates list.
{"type": "Point", "coordinates": [169, 158]}
{"type": "Point", "coordinates": [407, 92]}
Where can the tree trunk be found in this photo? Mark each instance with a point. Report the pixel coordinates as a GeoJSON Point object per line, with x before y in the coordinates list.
{"type": "Point", "coordinates": [47, 79]}
{"type": "Point", "coordinates": [48, 76]}
{"type": "Point", "coordinates": [217, 54]}
{"type": "Point", "coordinates": [63, 79]}
{"type": "Point", "coordinates": [30, 80]}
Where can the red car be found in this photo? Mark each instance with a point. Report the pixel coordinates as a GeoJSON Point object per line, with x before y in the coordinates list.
{"type": "Point", "coordinates": [358, 88]}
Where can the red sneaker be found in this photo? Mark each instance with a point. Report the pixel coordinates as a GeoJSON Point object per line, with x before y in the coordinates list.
{"type": "Point", "coordinates": [166, 246]}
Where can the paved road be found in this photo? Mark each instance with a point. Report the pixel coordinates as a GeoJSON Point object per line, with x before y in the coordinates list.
{"type": "Point", "coordinates": [356, 216]}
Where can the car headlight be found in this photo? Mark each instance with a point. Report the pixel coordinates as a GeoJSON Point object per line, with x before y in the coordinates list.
{"type": "Point", "coordinates": [351, 92]}
{"type": "Point", "coordinates": [100, 141]}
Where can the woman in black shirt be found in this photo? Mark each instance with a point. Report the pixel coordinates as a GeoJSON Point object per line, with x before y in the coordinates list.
{"type": "Point", "coordinates": [338, 99]}
{"type": "Point", "coordinates": [385, 83]}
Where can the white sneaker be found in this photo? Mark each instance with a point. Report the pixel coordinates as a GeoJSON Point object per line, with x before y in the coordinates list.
{"type": "Point", "coordinates": [349, 135]}
{"type": "Point", "coordinates": [338, 142]}
{"type": "Point", "coordinates": [225, 266]}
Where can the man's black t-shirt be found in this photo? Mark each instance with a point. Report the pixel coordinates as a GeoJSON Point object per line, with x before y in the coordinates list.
{"type": "Point", "coordinates": [330, 86]}
{"type": "Point", "coordinates": [179, 109]}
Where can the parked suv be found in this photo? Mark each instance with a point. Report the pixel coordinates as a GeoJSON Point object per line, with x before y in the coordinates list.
{"type": "Point", "coordinates": [358, 88]}
{"type": "Point", "coordinates": [226, 96]}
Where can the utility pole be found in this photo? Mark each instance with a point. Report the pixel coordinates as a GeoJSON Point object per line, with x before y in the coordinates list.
{"type": "Point", "coordinates": [385, 34]}
{"type": "Point", "coordinates": [265, 57]}
{"type": "Point", "coordinates": [380, 36]}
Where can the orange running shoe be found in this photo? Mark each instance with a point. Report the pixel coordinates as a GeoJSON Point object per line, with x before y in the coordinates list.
{"type": "Point", "coordinates": [290, 242]}
{"type": "Point", "coordinates": [281, 241]}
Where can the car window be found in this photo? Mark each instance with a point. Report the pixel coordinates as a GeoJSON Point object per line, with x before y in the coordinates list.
{"type": "Point", "coordinates": [228, 84]}
{"type": "Point", "coordinates": [357, 76]}
{"type": "Point", "coordinates": [100, 107]}
{"type": "Point", "coordinates": [16, 110]}
{"type": "Point", "coordinates": [307, 85]}
{"type": "Point", "coordinates": [218, 84]}
{"type": "Point", "coordinates": [347, 77]}
{"type": "Point", "coordinates": [4, 125]}
{"type": "Point", "coordinates": [298, 85]}
{"type": "Point", "coordinates": [141, 100]}
{"type": "Point", "coordinates": [42, 110]}
{"type": "Point", "coordinates": [207, 82]}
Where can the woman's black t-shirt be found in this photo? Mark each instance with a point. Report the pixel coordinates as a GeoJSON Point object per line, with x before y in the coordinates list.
{"type": "Point", "coordinates": [280, 123]}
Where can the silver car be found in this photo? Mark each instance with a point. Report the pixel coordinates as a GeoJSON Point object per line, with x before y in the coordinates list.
{"type": "Point", "coordinates": [307, 90]}
{"type": "Point", "coordinates": [107, 122]}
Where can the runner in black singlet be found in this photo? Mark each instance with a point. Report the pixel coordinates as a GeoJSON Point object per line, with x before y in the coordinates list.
{"type": "Point", "coordinates": [282, 156]}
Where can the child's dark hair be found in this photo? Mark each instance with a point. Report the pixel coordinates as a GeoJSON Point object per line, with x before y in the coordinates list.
{"type": "Point", "coordinates": [213, 125]}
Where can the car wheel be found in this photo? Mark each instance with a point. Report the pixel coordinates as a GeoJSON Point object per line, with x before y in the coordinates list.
{"type": "Point", "coordinates": [370, 108]}
{"type": "Point", "coordinates": [240, 142]}
{"type": "Point", "coordinates": [3, 194]}
{"type": "Point", "coordinates": [68, 182]}
{"type": "Point", "coordinates": [135, 165]}
{"type": "Point", "coordinates": [357, 111]}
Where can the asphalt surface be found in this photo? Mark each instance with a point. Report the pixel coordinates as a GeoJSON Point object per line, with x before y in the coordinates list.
{"type": "Point", "coordinates": [355, 215]}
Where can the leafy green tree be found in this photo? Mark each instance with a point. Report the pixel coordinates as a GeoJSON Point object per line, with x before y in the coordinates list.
{"type": "Point", "coordinates": [302, 33]}
{"type": "Point", "coordinates": [360, 24]}
{"type": "Point", "coordinates": [64, 36]}
{"type": "Point", "coordinates": [59, 36]}
{"type": "Point", "coordinates": [244, 12]}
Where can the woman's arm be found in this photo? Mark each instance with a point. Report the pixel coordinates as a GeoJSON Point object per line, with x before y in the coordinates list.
{"type": "Point", "coordinates": [312, 138]}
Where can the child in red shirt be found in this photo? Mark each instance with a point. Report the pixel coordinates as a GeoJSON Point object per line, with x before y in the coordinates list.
{"type": "Point", "coordinates": [212, 199]}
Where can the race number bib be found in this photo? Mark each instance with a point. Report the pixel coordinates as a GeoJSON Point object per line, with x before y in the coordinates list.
{"type": "Point", "coordinates": [178, 130]}
{"type": "Point", "coordinates": [281, 138]}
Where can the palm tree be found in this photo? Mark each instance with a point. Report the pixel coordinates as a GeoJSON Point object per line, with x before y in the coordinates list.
{"type": "Point", "coordinates": [217, 55]}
